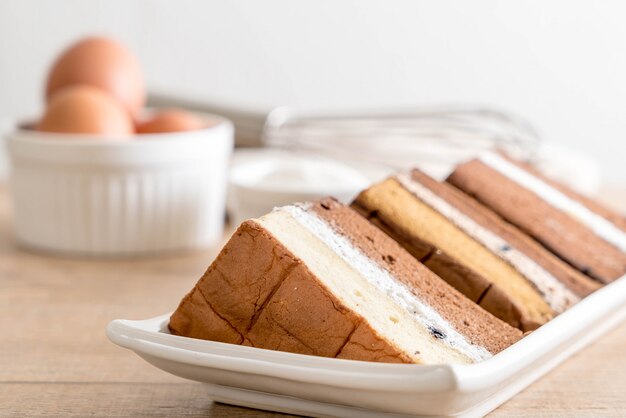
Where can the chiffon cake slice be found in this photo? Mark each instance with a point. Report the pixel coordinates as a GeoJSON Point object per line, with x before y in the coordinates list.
{"type": "Point", "coordinates": [474, 250]}
{"type": "Point", "coordinates": [583, 233]}
{"type": "Point", "coordinates": [319, 279]}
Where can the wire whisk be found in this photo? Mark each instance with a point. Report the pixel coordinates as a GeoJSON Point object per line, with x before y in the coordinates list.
{"type": "Point", "coordinates": [435, 136]}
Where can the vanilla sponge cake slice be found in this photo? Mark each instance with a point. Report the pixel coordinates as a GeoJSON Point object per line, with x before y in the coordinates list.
{"type": "Point", "coordinates": [474, 250]}
{"type": "Point", "coordinates": [319, 279]}
{"type": "Point", "coordinates": [586, 235]}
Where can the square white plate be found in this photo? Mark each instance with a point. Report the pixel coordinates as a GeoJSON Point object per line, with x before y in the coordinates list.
{"type": "Point", "coordinates": [317, 386]}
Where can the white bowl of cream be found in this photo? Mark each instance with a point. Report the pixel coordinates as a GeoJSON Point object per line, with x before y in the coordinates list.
{"type": "Point", "coordinates": [263, 180]}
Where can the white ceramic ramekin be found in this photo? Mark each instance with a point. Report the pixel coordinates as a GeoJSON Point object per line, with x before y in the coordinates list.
{"type": "Point", "coordinates": [151, 194]}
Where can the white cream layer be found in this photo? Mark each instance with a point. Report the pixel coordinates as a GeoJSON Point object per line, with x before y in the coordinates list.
{"type": "Point", "coordinates": [599, 225]}
{"type": "Point", "coordinates": [383, 280]}
{"type": "Point", "coordinates": [554, 292]}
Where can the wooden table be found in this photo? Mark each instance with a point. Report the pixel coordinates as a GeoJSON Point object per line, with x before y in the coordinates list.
{"type": "Point", "coordinates": [56, 360]}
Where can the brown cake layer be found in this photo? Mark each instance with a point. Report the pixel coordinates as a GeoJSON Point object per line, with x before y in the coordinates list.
{"type": "Point", "coordinates": [247, 297]}
{"type": "Point", "coordinates": [559, 232]}
{"type": "Point", "coordinates": [612, 216]}
{"type": "Point", "coordinates": [476, 324]}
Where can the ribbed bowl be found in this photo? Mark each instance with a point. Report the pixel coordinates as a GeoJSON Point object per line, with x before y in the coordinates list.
{"type": "Point", "coordinates": [156, 193]}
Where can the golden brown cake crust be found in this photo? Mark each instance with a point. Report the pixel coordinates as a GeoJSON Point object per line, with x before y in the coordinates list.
{"type": "Point", "coordinates": [557, 231]}
{"type": "Point", "coordinates": [257, 293]}
{"type": "Point", "coordinates": [195, 318]}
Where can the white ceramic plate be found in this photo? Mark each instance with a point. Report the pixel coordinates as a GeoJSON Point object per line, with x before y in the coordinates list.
{"type": "Point", "coordinates": [319, 386]}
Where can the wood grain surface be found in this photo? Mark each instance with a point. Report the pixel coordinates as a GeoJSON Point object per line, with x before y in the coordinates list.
{"type": "Point", "coordinates": [55, 359]}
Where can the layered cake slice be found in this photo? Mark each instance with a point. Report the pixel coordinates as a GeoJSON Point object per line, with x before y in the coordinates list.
{"type": "Point", "coordinates": [612, 216]}
{"type": "Point", "coordinates": [319, 279]}
{"type": "Point", "coordinates": [586, 235]}
{"type": "Point", "coordinates": [474, 250]}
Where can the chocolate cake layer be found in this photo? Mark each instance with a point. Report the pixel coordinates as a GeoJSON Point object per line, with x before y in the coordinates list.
{"type": "Point", "coordinates": [583, 243]}
{"type": "Point", "coordinates": [613, 216]}
{"type": "Point", "coordinates": [480, 327]}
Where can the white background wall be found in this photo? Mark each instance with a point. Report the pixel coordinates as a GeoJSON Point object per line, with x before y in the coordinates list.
{"type": "Point", "coordinates": [561, 64]}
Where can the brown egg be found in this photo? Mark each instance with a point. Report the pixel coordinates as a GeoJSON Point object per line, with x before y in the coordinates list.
{"type": "Point", "coordinates": [86, 110]}
{"type": "Point", "coordinates": [170, 120]}
{"type": "Point", "coordinates": [103, 63]}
